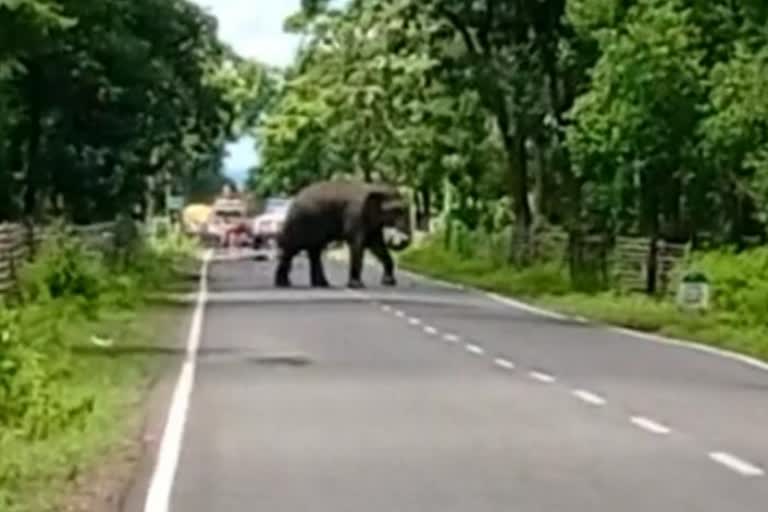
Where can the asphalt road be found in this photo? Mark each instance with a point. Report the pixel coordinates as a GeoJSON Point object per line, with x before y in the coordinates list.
{"type": "Point", "coordinates": [428, 398]}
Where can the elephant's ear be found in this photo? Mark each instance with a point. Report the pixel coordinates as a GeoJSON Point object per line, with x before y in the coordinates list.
{"type": "Point", "coordinates": [382, 204]}
{"type": "Point", "coordinates": [373, 203]}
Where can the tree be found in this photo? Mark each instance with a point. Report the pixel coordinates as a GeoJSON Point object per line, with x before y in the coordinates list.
{"type": "Point", "coordinates": [113, 105]}
{"type": "Point", "coordinates": [604, 116]}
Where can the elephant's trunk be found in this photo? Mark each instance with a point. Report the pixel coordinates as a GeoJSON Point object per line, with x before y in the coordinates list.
{"type": "Point", "coordinates": [399, 235]}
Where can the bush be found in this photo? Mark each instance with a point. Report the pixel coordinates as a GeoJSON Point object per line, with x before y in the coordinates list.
{"type": "Point", "coordinates": [59, 408]}
{"type": "Point", "coordinates": [33, 366]}
{"type": "Point", "coordinates": [67, 283]}
{"type": "Point", "coordinates": [548, 278]}
{"type": "Point", "coordinates": [63, 267]}
{"type": "Point", "coordinates": [739, 282]}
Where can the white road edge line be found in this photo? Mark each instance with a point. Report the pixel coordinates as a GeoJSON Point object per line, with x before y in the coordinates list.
{"type": "Point", "coordinates": [736, 464]}
{"type": "Point", "coordinates": [414, 321]}
{"type": "Point", "coordinates": [588, 397]}
{"type": "Point", "coordinates": [439, 282]}
{"type": "Point", "coordinates": [504, 363]}
{"type": "Point", "coordinates": [692, 345]}
{"type": "Point", "coordinates": [430, 330]}
{"type": "Point", "coordinates": [474, 349]}
{"type": "Point", "coordinates": [542, 377]}
{"type": "Point", "coordinates": [159, 493]}
{"type": "Point", "coordinates": [451, 338]}
{"type": "Point", "coordinates": [655, 338]}
{"type": "Point", "coordinates": [650, 425]}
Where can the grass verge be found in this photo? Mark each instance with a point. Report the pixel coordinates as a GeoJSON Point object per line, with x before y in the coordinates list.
{"type": "Point", "coordinates": [734, 323]}
{"type": "Point", "coordinates": [76, 358]}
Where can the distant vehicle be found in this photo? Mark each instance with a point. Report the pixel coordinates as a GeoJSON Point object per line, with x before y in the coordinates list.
{"type": "Point", "coordinates": [194, 217]}
{"type": "Point", "coordinates": [228, 222]}
{"type": "Point", "coordinates": [267, 225]}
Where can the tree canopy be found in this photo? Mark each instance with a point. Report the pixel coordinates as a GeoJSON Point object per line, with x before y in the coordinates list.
{"type": "Point", "coordinates": [109, 106]}
{"type": "Point", "coordinates": [603, 116]}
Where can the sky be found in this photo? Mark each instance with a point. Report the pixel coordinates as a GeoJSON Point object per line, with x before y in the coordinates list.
{"type": "Point", "coordinates": [254, 29]}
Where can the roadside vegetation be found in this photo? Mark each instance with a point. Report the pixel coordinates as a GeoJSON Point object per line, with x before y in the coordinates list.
{"type": "Point", "coordinates": [736, 320]}
{"type": "Point", "coordinates": [510, 120]}
{"type": "Point", "coordinates": [107, 109]}
{"type": "Point", "coordinates": [76, 355]}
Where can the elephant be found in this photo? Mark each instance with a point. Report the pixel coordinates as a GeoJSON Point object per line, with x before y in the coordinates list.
{"type": "Point", "coordinates": [357, 213]}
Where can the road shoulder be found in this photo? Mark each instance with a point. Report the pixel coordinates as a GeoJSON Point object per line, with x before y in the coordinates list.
{"type": "Point", "coordinates": [554, 312]}
{"type": "Point", "coordinates": [117, 481]}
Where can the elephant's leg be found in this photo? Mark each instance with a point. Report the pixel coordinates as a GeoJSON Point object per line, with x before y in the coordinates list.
{"type": "Point", "coordinates": [356, 252]}
{"type": "Point", "coordinates": [316, 272]}
{"type": "Point", "coordinates": [283, 270]}
{"type": "Point", "coordinates": [379, 249]}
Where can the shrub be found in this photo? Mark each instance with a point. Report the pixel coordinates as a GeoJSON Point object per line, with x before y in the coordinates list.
{"type": "Point", "coordinates": [66, 284]}
{"type": "Point", "coordinates": [431, 257]}
{"type": "Point", "coordinates": [63, 267]}
{"type": "Point", "coordinates": [739, 281]}
{"type": "Point", "coordinates": [33, 366]}
{"type": "Point", "coordinates": [59, 408]}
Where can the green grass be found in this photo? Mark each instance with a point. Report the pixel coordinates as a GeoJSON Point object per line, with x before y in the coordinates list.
{"type": "Point", "coordinates": [734, 323]}
{"type": "Point", "coordinates": [66, 403]}
{"type": "Point", "coordinates": [37, 473]}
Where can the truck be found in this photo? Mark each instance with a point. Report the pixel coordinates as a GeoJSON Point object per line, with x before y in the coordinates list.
{"type": "Point", "coordinates": [228, 223]}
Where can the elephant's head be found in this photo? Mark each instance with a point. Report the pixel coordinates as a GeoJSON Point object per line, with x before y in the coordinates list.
{"type": "Point", "coordinates": [387, 209]}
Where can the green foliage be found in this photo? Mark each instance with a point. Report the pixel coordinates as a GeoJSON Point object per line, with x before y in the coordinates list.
{"type": "Point", "coordinates": [65, 267]}
{"type": "Point", "coordinates": [432, 258]}
{"type": "Point", "coordinates": [33, 366]}
{"type": "Point", "coordinates": [71, 294]}
{"type": "Point", "coordinates": [602, 116]}
{"type": "Point", "coordinates": [739, 282]}
{"type": "Point", "coordinates": [368, 98]}
{"type": "Point", "coordinates": [123, 99]}
{"type": "Point", "coordinates": [636, 124]}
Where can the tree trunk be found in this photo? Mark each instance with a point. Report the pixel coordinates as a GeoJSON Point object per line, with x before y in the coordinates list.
{"type": "Point", "coordinates": [33, 180]}
{"type": "Point", "coordinates": [517, 159]}
{"type": "Point", "coordinates": [9, 188]}
{"type": "Point", "coordinates": [426, 208]}
{"type": "Point", "coordinates": [649, 208]}
{"type": "Point", "coordinates": [539, 212]}
{"type": "Point", "coordinates": [149, 198]}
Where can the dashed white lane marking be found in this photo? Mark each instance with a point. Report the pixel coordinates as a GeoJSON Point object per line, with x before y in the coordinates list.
{"type": "Point", "coordinates": [451, 338]}
{"type": "Point", "coordinates": [159, 493]}
{"type": "Point", "coordinates": [736, 464]}
{"type": "Point", "coordinates": [542, 377]}
{"type": "Point", "coordinates": [504, 363]}
{"type": "Point", "coordinates": [588, 397]}
{"type": "Point", "coordinates": [474, 349]}
{"type": "Point", "coordinates": [650, 425]}
{"type": "Point", "coordinates": [687, 344]}
{"type": "Point", "coordinates": [730, 461]}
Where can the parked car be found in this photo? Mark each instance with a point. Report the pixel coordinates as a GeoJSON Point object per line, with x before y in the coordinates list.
{"type": "Point", "coordinates": [267, 225]}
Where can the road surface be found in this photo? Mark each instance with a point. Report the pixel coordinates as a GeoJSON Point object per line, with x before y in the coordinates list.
{"type": "Point", "coordinates": [428, 398]}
